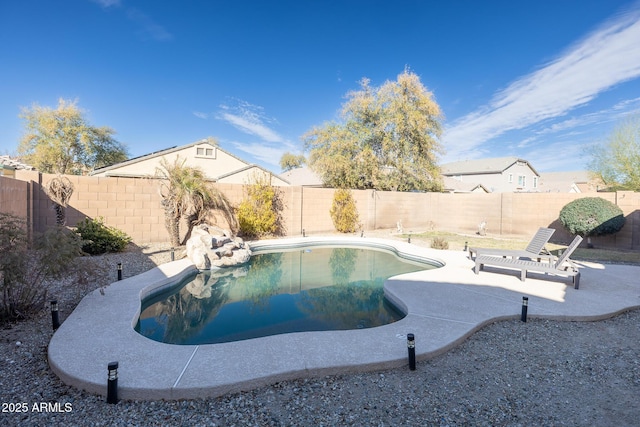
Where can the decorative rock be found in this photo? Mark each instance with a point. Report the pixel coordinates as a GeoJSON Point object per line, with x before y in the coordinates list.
{"type": "Point", "coordinates": [224, 252]}
{"type": "Point", "coordinates": [209, 251]}
{"type": "Point", "coordinates": [217, 242]}
{"type": "Point", "coordinates": [239, 256]}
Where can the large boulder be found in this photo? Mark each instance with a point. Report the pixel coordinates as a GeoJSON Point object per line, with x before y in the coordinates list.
{"type": "Point", "coordinates": [212, 247]}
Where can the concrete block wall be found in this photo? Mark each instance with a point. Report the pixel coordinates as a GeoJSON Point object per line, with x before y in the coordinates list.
{"type": "Point", "coordinates": [134, 206]}
{"type": "Point", "coordinates": [129, 204]}
{"type": "Point", "coordinates": [14, 197]}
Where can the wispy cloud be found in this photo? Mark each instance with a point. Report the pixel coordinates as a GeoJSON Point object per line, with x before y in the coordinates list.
{"type": "Point", "coordinates": [201, 115]}
{"type": "Point", "coordinates": [607, 57]}
{"type": "Point", "coordinates": [266, 154]}
{"type": "Point", "coordinates": [250, 119]}
{"type": "Point", "coordinates": [107, 3]}
{"type": "Point", "coordinates": [148, 27]}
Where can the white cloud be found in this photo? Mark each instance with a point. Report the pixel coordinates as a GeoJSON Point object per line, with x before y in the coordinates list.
{"type": "Point", "coordinates": [107, 3]}
{"type": "Point", "coordinates": [251, 127]}
{"type": "Point", "coordinates": [264, 153]}
{"type": "Point", "coordinates": [148, 27]}
{"type": "Point", "coordinates": [250, 119]}
{"type": "Point", "coordinates": [201, 115]}
{"type": "Point", "coordinates": [546, 159]}
{"type": "Point", "coordinates": [607, 57]}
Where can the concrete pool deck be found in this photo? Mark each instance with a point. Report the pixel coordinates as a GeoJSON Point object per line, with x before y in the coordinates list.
{"type": "Point", "coordinates": [444, 306]}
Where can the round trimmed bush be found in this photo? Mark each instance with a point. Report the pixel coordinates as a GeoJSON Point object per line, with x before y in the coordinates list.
{"type": "Point", "coordinates": [591, 216]}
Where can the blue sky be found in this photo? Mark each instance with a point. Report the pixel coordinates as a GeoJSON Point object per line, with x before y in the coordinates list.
{"type": "Point", "coordinates": [539, 80]}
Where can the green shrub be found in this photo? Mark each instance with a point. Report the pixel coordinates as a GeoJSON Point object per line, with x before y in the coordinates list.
{"type": "Point", "coordinates": [260, 212]}
{"type": "Point", "coordinates": [439, 243]}
{"type": "Point", "coordinates": [591, 216]}
{"type": "Point", "coordinates": [99, 238]}
{"type": "Point", "coordinates": [344, 212]}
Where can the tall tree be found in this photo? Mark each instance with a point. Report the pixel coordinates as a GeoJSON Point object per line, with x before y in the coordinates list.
{"type": "Point", "coordinates": [290, 161]}
{"type": "Point", "coordinates": [61, 141]}
{"type": "Point", "coordinates": [186, 195]}
{"type": "Point", "coordinates": [617, 160]}
{"type": "Point", "coordinates": [388, 139]}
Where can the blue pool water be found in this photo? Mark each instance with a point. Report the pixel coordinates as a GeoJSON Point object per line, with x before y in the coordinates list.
{"type": "Point", "coordinates": [310, 289]}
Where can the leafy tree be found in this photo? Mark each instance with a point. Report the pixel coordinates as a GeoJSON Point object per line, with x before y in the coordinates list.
{"type": "Point", "coordinates": [260, 212]}
{"type": "Point", "coordinates": [591, 216]}
{"type": "Point", "coordinates": [617, 160]}
{"type": "Point", "coordinates": [61, 141]}
{"type": "Point", "coordinates": [290, 161]}
{"type": "Point", "coordinates": [186, 195]}
{"type": "Point", "coordinates": [388, 139]}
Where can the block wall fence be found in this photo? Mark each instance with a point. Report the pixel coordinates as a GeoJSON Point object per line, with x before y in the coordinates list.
{"type": "Point", "coordinates": [133, 206]}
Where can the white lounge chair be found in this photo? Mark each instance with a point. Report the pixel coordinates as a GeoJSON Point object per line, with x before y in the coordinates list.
{"type": "Point", "coordinates": [562, 267]}
{"type": "Point", "coordinates": [534, 249]}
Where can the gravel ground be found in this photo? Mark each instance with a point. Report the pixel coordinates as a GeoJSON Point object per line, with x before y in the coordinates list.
{"type": "Point", "coordinates": [510, 373]}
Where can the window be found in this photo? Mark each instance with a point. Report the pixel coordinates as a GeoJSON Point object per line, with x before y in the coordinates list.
{"type": "Point", "coordinates": [510, 178]}
{"type": "Point", "coordinates": [522, 181]}
{"type": "Point", "coordinates": [535, 182]}
{"type": "Point", "coordinates": [205, 152]}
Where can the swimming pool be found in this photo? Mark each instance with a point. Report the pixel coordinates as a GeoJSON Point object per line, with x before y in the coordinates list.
{"type": "Point", "coordinates": [293, 290]}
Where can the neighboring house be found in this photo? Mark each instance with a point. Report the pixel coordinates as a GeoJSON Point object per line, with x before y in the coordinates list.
{"type": "Point", "coordinates": [498, 175]}
{"type": "Point", "coordinates": [8, 166]}
{"type": "Point", "coordinates": [569, 182]}
{"type": "Point", "coordinates": [451, 185]}
{"type": "Point", "coordinates": [302, 177]}
{"type": "Point", "coordinates": [217, 164]}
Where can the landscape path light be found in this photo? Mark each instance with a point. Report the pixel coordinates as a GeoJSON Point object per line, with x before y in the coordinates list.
{"type": "Point", "coordinates": [55, 318]}
{"type": "Point", "coordinates": [525, 304]}
{"type": "Point", "coordinates": [112, 382]}
{"type": "Point", "coordinates": [411, 347]}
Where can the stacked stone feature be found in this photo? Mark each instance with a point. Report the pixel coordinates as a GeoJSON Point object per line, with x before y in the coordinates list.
{"type": "Point", "coordinates": [211, 247]}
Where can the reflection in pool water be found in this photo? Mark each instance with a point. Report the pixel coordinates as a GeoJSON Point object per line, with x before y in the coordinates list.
{"type": "Point", "coordinates": [293, 291]}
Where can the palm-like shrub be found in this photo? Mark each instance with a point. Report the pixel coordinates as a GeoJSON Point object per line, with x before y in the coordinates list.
{"type": "Point", "coordinates": [591, 216]}
{"type": "Point", "coordinates": [187, 195]}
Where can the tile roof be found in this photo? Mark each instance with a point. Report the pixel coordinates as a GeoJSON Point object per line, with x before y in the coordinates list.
{"type": "Point", "coordinates": [480, 166]}
{"type": "Point", "coordinates": [302, 176]}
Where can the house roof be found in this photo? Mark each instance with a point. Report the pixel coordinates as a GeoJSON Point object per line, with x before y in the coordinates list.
{"type": "Point", "coordinates": [14, 164]}
{"type": "Point", "coordinates": [173, 149]}
{"type": "Point", "coordinates": [482, 166]}
{"type": "Point", "coordinates": [302, 176]}
{"type": "Point", "coordinates": [247, 167]}
{"type": "Point", "coordinates": [158, 153]}
{"type": "Point", "coordinates": [572, 181]}
{"type": "Point", "coordinates": [457, 186]}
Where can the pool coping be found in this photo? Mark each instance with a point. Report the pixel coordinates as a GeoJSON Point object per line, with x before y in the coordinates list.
{"type": "Point", "coordinates": [444, 306]}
